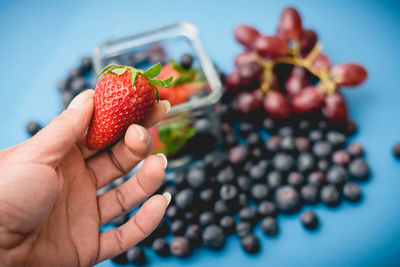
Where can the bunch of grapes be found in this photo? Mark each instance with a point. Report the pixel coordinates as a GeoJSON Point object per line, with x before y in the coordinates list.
{"type": "Point", "coordinates": [288, 74]}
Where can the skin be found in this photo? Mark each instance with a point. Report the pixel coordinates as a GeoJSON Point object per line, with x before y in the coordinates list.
{"type": "Point", "coordinates": [50, 213]}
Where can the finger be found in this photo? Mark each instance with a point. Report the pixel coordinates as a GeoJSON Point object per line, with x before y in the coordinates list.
{"type": "Point", "coordinates": [122, 157]}
{"type": "Point", "coordinates": [116, 241]}
{"type": "Point", "coordinates": [156, 114]}
{"type": "Point", "coordinates": [55, 140]}
{"type": "Point", "coordinates": [140, 186]}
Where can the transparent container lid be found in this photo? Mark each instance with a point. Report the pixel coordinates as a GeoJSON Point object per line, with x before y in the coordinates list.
{"type": "Point", "coordinates": [177, 39]}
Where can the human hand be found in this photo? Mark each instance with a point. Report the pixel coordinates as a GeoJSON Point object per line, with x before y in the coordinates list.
{"type": "Point", "coordinates": [49, 211]}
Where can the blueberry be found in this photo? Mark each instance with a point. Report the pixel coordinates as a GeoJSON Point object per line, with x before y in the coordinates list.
{"type": "Point", "coordinates": [173, 213]}
{"type": "Point", "coordinates": [286, 131]}
{"type": "Point", "coordinates": [78, 84]}
{"type": "Point", "coordinates": [359, 169]}
{"type": "Point", "coordinates": [259, 192]}
{"type": "Point", "coordinates": [287, 199]}
{"type": "Point", "coordinates": [86, 64]}
{"type": "Point", "coordinates": [351, 192]}
{"type": "Point", "coordinates": [227, 223]}
{"type": "Point", "coordinates": [230, 141]}
{"type": "Point", "coordinates": [186, 61]}
{"type": "Point", "coordinates": [316, 178]}
{"type": "Point", "coordinates": [309, 219]}
{"type": "Point", "coordinates": [273, 144]}
{"type": "Point", "coordinates": [356, 150]}
{"type": "Point", "coordinates": [269, 226]}
{"type": "Point", "coordinates": [190, 216]}
{"type": "Point", "coordinates": [206, 218]}
{"type": "Point", "coordinates": [266, 209]}
{"type": "Point", "coordinates": [310, 194]}
{"type": "Point", "coordinates": [243, 229]}
{"type": "Point", "coordinates": [237, 155]}
{"type": "Point", "coordinates": [228, 193]}
{"type": "Point", "coordinates": [250, 243]}
{"type": "Point", "coordinates": [196, 177]}
{"type": "Point", "coordinates": [304, 126]}
{"type": "Point", "coordinates": [184, 199]}
{"type": "Point", "coordinates": [283, 162]}
{"type": "Point", "coordinates": [295, 179]}
{"type": "Point", "coordinates": [74, 73]}
{"type": "Point", "coordinates": [161, 247]}
{"type": "Point", "coordinates": [323, 125]}
{"type": "Point", "coordinates": [341, 157]}
{"type": "Point", "coordinates": [213, 237]}
{"type": "Point", "coordinates": [226, 175]}
{"type": "Point", "coordinates": [136, 256]}
{"type": "Point", "coordinates": [215, 161]}
{"type": "Point", "coordinates": [254, 140]}
{"type": "Point", "coordinates": [305, 162]}
{"type": "Point", "coordinates": [244, 183]}
{"type": "Point", "coordinates": [330, 195]}
{"type": "Point", "coordinates": [302, 144]}
{"type": "Point", "coordinates": [120, 259]}
{"type": "Point", "coordinates": [171, 189]}
{"type": "Point", "coordinates": [274, 179]}
{"type": "Point", "coordinates": [269, 125]}
{"type": "Point", "coordinates": [288, 144]}
{"type": "Point", "coordinates": [180, 246]}
{"type": "Point", "coordinates": [315, 135]}
{"type": "Point", "coordinates": [248, 214]}
{"type": "Point", "coordinates": [178, 227]}
{"type": "Point", "coordinates": [351, 128]}
{"type": "Point", "coordinates": [336, 175]}
{"type": "Point", "coordinates": [323, 165]}
{"type": "Point", "coordinates": [119, 220]}
{"type": "Point", "coordinates": [206, 195]}
{"type": "Point", "coordinates": [336, 139]}
{"type": "Point", "coordinates": [221, 208]}
{"type": "Point", "coordinates": [33, 127]}
{"type": "Point", "coordinates": [67, 97]}
{"type": "Point", "coordinates": [63, 85]}
{"type": "Point", "coordinates": [193, 234]}
{"type": "Point", "coordinates": [257, 172]}
{"type": "Point", "coordinates": [245, 128]}
{"type": "Point", "coordinates": [322, 149]}
{"type": "Point", "coordinates": [256, 154]}
{"type": "Point", "coordinates": [242, 200]}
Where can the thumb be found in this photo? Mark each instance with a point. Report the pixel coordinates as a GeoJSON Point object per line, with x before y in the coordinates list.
{"type": "Point", "coordinates": [55, 140]}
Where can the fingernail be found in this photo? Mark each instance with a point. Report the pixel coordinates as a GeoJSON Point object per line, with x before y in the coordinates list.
{"type": "Point", "coordinates": [168, 197]}
{"type": "Point", "coordinates": [164, 158]}
{"type": "Point", "coordinates": [166, 104]}
{"type": "Point", "coordinates": [141, 133]}
{"type": "Point", "coordinates": [81, 99]}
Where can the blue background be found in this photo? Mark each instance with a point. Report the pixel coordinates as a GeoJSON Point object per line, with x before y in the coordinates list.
{"type": "Point", "coordinates": [41, 40]}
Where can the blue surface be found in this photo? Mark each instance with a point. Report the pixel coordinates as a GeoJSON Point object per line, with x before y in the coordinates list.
{"type": "Point", "coordinates": [39, 42]}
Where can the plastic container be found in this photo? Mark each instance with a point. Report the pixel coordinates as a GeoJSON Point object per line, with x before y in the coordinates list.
{"type": "Point", "coordinates": [197, 117]}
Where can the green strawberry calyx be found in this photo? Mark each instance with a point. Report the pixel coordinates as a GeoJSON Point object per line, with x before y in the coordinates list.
{"type": "Point", "coordinates": [150, 74]}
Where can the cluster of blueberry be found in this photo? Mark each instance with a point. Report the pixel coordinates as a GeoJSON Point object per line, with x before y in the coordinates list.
{"type": "Point", "coordinates": [301, 163]}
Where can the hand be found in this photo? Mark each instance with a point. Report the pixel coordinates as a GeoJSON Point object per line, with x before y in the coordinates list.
{"type": "Point", "coordinates": [49, 211]}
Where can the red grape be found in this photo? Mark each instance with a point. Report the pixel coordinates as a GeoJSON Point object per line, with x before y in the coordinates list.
{"type": "Point", "coordinates": [232, 82]}
{"type": "Point", "coordinates": [349, 74]}
{"type": "Point", "coordinates": [296, 81]}
{"type": "Point", "coordinates": [334, 108]}
{"type": "Point", "coordinates": [290, 24]}
{"type": "Point", "coordinates": [308, 39]}
{"type": "Point", "coordinates": [276, 104]}
{"type": "Point", "coordinates": [246, 102]}
{"type": "Point", "coordinates": [246, 35]}
{"type": "Point", "coordinates": [245, 58]}
{"type": "Point", "coordinates": [307, 100]}
{"type": "Point", "coordinates": [321, 61]}
{"type": "Point", "coordinates": [249, 74]}
{"type": "Point", "coordinates": [270, 46]}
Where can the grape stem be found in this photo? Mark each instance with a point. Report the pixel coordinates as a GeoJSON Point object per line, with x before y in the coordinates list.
{"type": "Point", "coordinates": [327, 83]}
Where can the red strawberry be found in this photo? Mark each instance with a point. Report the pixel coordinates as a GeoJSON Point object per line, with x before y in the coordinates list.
{"type": "Point", "coordinates": [177, 94]}
{"type": "Point", "coordinates": [123, 96]}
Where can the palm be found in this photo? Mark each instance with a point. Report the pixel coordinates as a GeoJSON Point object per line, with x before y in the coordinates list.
{"type": "Point", "coordinates": [49, 210]}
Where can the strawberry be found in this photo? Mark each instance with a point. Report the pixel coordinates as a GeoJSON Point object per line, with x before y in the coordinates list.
{"type": "Point", "coordinates": [123, 96]}
{"type": "Point", "coordinates": [185, 83]}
